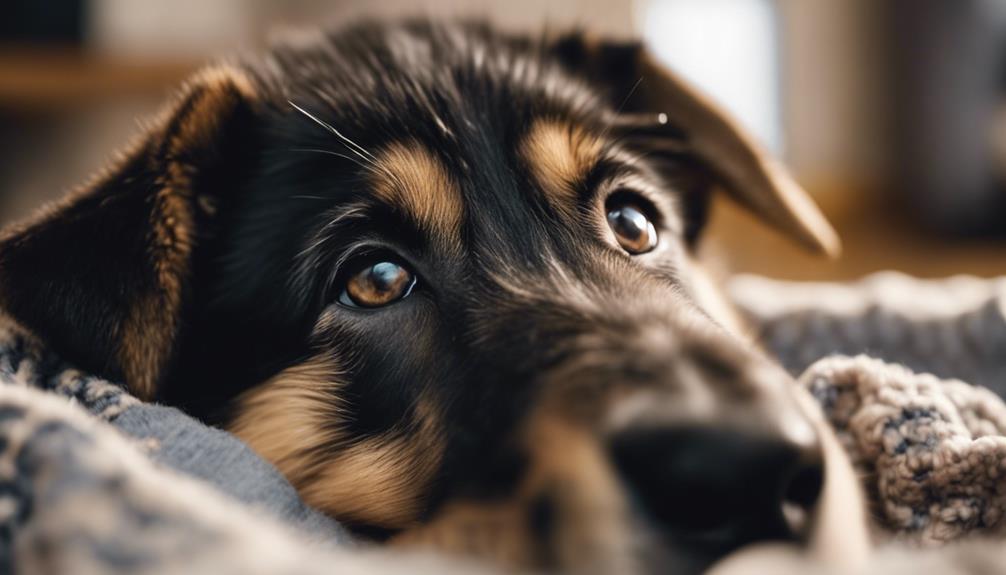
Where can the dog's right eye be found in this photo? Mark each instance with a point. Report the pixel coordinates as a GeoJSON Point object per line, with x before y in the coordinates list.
{"type": "Point", "coordinates": [627, 219]}
{"type": "Point", "coordinates": [377, 285]}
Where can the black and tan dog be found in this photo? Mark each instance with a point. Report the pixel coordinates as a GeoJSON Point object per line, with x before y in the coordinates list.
{"type": "Point", "coordinates": [443, 278]}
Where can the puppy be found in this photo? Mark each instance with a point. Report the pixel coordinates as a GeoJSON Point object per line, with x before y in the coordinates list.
{"type": "Point", "coordinates": [444, 279]}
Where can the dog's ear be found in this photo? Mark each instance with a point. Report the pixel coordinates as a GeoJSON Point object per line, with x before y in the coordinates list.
{"type": "Point", "coordinates": [667, 114]}
{"type": "Point", "coordinates": [103, 276]}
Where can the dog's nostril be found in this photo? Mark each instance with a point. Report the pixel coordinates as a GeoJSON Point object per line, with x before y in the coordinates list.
{"type": "Point", "coordinates": [719, 489]}
{"type": "Point", "coordinates": [805, 486]}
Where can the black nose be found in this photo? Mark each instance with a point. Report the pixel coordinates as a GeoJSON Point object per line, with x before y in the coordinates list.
{"type": "Point", "coordinates": [715, 490]}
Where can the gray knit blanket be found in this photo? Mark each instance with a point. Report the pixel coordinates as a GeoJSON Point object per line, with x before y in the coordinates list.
{"type": "Point", "coordinates": [908, 372]}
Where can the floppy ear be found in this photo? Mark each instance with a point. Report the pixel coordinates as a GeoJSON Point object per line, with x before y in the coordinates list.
{"type": "Point", "coordinates": [103, 275]}
{"type": "Point", "coordinates": [671, 116]}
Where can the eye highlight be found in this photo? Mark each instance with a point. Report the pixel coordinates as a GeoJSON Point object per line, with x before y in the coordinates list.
{"type": "Point", "coordinates": [377, 285]}
{"type": "Point", "coordinates": [627, 219]}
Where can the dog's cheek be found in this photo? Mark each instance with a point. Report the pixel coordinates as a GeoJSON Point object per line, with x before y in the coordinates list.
{"type": "Point", "coordinates": [710, 297]}
{"type": "Point", "coordinates": [378, 482]}
{"type": "Point", "coordinates": [292, 414]}
{"type": "Point", "coordinates": [297, 421]}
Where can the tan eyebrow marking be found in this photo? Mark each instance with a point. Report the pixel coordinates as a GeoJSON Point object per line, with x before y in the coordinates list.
{"type": "Point", "coordinates": [559, 155]}
{"type": "Point", "coordinates": [410, 177]}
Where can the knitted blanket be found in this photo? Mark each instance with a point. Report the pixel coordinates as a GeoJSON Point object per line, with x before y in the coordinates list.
{"type": "Point", "coordinates": [94, 481]}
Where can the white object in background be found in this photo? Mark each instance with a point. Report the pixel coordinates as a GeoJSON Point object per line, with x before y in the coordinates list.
{"type": "Point", "coordinates": [176, 29]}
{"type": "Point", "coordinates": [729, 48]}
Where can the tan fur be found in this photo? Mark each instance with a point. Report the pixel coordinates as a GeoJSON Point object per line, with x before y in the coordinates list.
{"type": "Point", "coordinates": [381, 481]}
{"type": "Point", "coordinates": [293, 420]}
{"type": "Point", "coordinates": [409, 176]}
{"type": "Point", "coordinates": [291, 415]}
{"type": "Point", "coordinates": [559, 156]}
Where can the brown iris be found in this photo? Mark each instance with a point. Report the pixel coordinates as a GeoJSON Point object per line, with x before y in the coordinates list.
{"type": "Point", "coordinates": [376, 285]}
{"type": "Point", "coordinates": [633, 230]}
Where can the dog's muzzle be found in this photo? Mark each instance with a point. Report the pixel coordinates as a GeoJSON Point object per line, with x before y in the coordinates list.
{"type": "Point", "coordinates": [714, 446]}
{"type": "Point", "coordinates": [734, 462]}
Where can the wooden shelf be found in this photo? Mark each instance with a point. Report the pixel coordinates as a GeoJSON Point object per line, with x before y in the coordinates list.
{"type": "Point", "coordinates": [34, 79]}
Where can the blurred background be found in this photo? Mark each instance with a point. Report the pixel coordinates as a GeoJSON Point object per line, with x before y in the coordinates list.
{"type": "Point", "coordinates": [892, 113]}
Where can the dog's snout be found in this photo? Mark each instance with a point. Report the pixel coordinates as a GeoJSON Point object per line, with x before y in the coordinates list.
{"type": "Point", "coordinates": [718, 489]}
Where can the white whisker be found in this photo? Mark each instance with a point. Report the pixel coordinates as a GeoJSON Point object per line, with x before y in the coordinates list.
{"type": "Point", "coordinates": [321, 236]}
{"type": "Point", "coordinates": [369, 160]}
{"type": "Point", "coordinates": [356, 148]}
{"type": "Point", "coordinates": [337, 154]}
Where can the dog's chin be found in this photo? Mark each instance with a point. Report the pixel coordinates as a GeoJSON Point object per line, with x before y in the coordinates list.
{"type": "Point", "coordinates": [558, 532]}
{"type": "Point", "coordinates": [655, 549]}
{"type": "Point", "coordinates": [508, 538]}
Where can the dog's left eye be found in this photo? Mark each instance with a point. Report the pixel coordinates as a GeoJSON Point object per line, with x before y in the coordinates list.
{"type": "Point", "coordinates": [630, 224]}
{"type": "Point", "coordinates": [377, 285]}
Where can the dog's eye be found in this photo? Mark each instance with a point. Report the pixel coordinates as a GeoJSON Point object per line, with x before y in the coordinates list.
{"type": "Point", "coordinates": [377, 284]}
{"type": "Point", "coordinates": [633, 229]}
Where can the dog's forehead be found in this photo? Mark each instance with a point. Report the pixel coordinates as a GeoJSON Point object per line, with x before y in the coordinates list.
{"type": "Point", "coordinates": [441, 120]}
{"type": "Point", "coordinates": [422, 78]}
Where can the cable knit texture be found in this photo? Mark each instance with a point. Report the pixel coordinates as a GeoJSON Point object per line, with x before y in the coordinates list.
{"type": "Point", "coordinates": [932, 451]}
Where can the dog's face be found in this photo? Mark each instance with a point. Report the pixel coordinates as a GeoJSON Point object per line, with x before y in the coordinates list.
{"type": "Point", "coordinates": [443, 280]}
